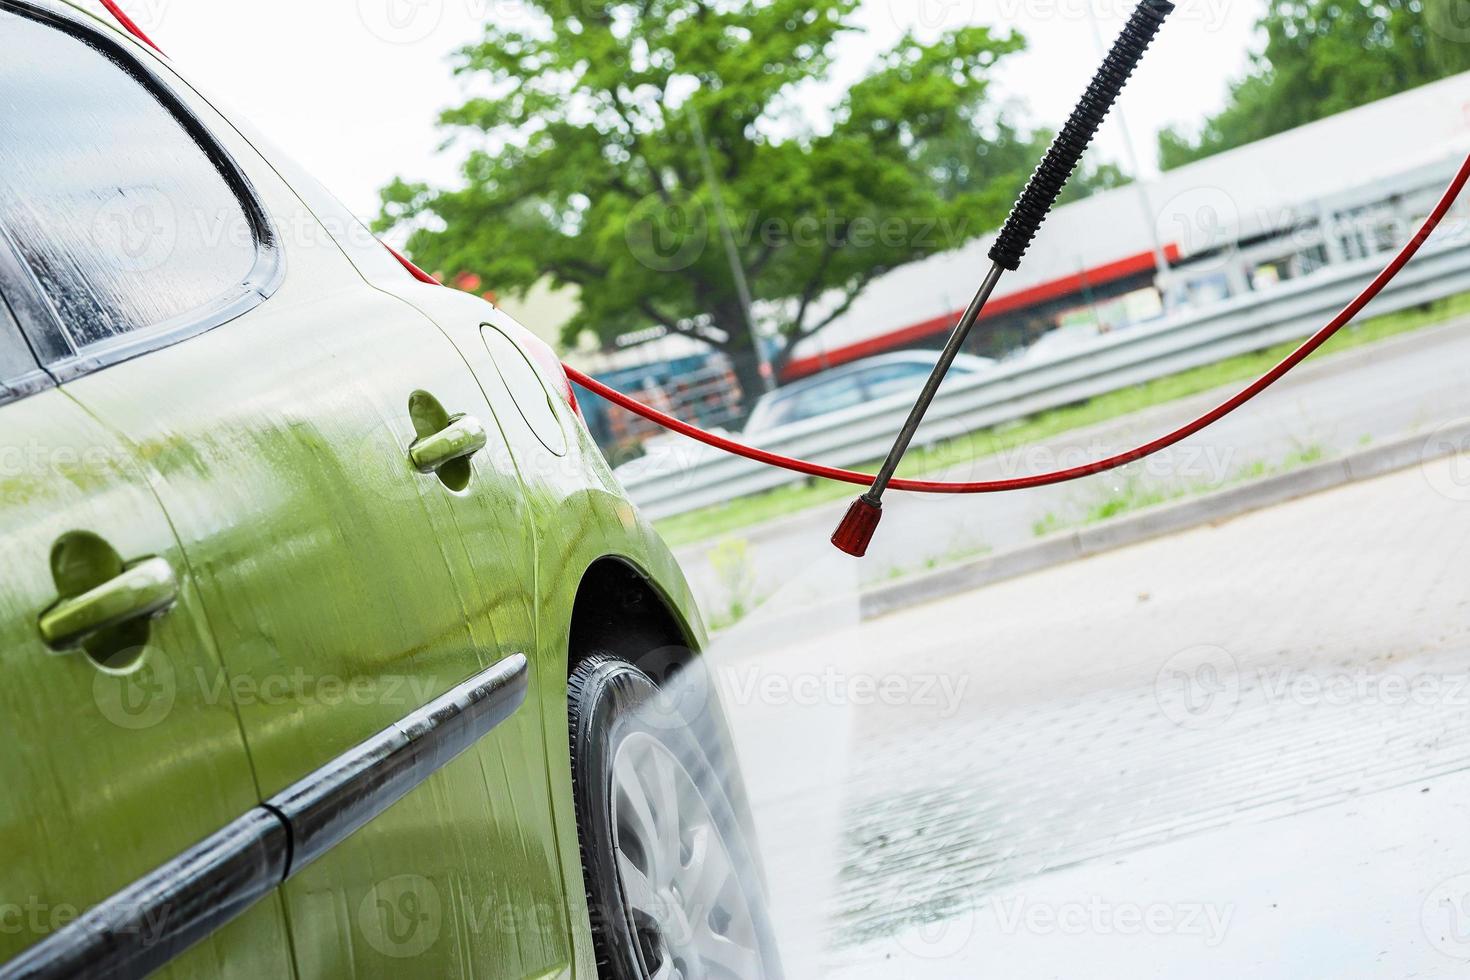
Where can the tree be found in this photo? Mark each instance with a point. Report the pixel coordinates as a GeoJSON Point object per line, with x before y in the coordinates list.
{"type": "Point", "coordinates": [1326, 56]}
{"type": "Point", "coordinates": [967, 161]}
{"type": "Point", "coordinates": [583, 165]}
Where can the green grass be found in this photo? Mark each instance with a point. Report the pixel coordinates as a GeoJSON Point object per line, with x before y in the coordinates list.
{"type": "Point", "coordinates": [963, 551]}
{"type": "Point", "coordinates": [759, 508]}
{"type": "Point", "coordinates": [1133, 496]}
{"type": "Point", "coordinates": [1048, 523]}
{"type": "Point", "coordinates": [736, 575]}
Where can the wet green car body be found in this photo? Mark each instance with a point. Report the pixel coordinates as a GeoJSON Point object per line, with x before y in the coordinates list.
{"type": "Point", "coordinates": [240, 539]}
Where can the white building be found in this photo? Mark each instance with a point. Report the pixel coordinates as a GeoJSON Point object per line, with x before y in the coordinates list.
{"type": "Point", "coordinates": [1341, 187]}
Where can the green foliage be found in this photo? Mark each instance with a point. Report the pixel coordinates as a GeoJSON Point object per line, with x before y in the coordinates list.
{"type": "Point", "coordinates": [735, 572]}
{"type": "Point", "coordinates": [1326, 56]}
{"type": "Point", "coordinates": [582, 163]}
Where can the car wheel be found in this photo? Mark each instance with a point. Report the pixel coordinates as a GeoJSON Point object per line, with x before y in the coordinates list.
{"type": "Point", "coordinates": [672, 890]}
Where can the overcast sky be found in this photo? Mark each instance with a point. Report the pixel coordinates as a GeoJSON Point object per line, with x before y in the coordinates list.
{"type": "Point", "coordinates": [351, 87]}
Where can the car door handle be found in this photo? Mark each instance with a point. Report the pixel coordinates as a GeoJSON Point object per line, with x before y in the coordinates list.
{"type": "Point", "coordinates": [146, 588]}
{"type": "Point", "coordinates": [463, 437]}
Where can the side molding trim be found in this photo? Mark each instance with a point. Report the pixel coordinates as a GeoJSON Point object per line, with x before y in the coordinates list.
{"type": "Point", "coordinates": [340, 797]}
{"type": "Point", "coordinates": [145, 925]}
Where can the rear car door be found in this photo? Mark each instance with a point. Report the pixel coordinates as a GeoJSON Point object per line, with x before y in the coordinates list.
{"type": "Point", "coordinates": [328, 462]}
{"type": "Point", "coordinates": [117, 759]}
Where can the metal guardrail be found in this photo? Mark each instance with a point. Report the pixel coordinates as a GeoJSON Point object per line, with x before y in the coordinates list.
{"type": "Point", "coordinates": [1249, 322]}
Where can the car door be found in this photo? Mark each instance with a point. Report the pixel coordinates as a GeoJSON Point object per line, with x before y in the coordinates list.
{"type": "Point", "coordinates": [329, 465]}
{"type": "Point", "coordinates": [117, 761]}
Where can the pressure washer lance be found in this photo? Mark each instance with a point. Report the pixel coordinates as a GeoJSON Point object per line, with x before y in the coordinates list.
{"type": "Point", "coordinates": [856, 530]}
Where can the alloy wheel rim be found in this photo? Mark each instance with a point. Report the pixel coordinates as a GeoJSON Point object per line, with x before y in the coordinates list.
{"type": "Point", "coordinates": [681, 890]}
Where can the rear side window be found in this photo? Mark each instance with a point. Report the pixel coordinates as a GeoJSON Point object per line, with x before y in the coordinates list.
{"type": "Point", "coordinates": [16, 363]}
{"type": "Point", "coordinates": [122, 218]}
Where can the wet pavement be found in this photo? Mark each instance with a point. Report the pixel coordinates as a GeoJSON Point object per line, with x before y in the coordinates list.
{"type": "Point", "coordinates": [1242, 750]}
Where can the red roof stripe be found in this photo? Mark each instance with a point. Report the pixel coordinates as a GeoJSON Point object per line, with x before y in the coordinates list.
{"type": "Point", "coordinates": [1019, 300]}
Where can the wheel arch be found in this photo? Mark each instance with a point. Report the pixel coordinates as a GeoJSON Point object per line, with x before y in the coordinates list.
{"type": "Point", "coordinates": [620, 609]}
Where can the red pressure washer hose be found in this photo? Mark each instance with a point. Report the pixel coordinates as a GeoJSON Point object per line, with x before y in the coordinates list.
{"type": "Point", "coordinates": [126, 23]}
{"type": "Point", "coordinates": [1076, 472]}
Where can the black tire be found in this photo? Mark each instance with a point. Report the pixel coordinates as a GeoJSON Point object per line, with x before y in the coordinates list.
{"type": "Point", "coordinates": [613, 707]}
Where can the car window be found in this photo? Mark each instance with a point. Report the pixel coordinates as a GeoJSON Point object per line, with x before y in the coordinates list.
{"type": "Point", "coordinates": [776, 411]}
{"type": "Point", "coordinates": [122, 218]}
{"type": "Point", "coordinates": [833, 396]}
{"type": "Point", "coordinates": [887, 379]}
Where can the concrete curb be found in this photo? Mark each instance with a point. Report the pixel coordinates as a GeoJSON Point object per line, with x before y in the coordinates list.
{"type": "Point", "coordinates": [1160, 521]}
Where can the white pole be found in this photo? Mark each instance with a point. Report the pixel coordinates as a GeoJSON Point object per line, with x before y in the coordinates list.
{"type": "Point", "coordinates": [1161, 262]}
{"type": "Point", "coordinates": [737, 270]}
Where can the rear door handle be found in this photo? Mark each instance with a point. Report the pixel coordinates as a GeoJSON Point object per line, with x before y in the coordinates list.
{"type": "Point", "coordinates": [463, 437]}
{"type": "Point", "coordinates": [146, 588]}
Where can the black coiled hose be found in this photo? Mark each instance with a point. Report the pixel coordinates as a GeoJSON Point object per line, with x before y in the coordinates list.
{"type": "Point", "coordinates": [1066, 150]}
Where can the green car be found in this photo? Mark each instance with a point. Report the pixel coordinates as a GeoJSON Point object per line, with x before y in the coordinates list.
{"type": "Point", "coordinates": [331, 646]}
